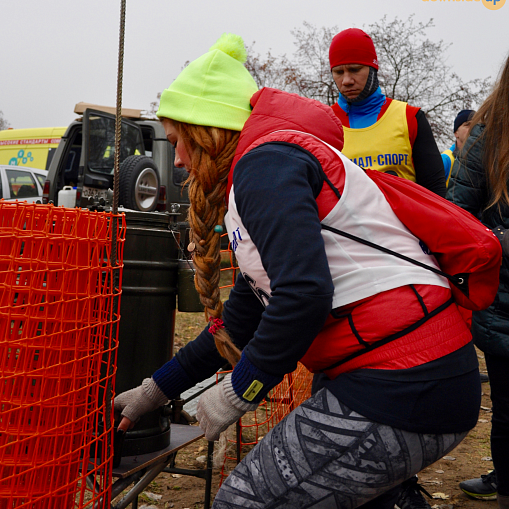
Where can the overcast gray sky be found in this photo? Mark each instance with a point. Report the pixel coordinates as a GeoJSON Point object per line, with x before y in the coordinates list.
{"type": "Point", "coordinates": [56, 53]}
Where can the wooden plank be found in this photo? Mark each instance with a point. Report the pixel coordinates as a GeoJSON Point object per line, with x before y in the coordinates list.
{"type": "Point", "coordinates": [126, 112]}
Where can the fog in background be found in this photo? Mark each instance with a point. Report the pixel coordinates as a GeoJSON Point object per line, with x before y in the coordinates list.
{"type": "Point", "coordinates": [59, 52]}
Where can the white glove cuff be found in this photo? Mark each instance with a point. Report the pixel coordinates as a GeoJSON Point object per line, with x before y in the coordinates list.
{"type": "Point", "coordinates": [232, 397]}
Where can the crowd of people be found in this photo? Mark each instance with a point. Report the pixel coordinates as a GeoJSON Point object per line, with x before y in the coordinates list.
{"type": "Point", "coordinates": [396, 382]}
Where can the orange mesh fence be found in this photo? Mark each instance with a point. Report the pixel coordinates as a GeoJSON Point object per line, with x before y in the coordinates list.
{"type": "Point", "coordinates": [59, 303]}
{"type": "Point", "coordinates": [229, 268]}
{"type": "Point", "coordinates": [285, 397]}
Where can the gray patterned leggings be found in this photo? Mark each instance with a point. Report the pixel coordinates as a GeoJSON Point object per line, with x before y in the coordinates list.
{"type": "Point", "coordinates": [324, 455]}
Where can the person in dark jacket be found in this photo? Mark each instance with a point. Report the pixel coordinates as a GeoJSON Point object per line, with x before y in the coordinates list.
{"type": "Point", "coordinates": [479, 184]}
{"type": "Point", "coordinates": [393, 358]}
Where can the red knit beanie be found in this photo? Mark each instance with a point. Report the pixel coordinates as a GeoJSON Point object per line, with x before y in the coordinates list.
{"type": "Point", "coordinates": [352, 46]}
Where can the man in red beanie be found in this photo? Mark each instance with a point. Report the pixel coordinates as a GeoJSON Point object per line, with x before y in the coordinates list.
{"type": "Point", "coordinates": [385, 135]}
{"type": "Point", "coordinates": [380, 133]}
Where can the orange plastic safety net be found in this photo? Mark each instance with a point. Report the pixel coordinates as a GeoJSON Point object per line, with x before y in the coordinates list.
{"type": "Point", "coordinates": [59, 312]}
{"type": "Point", "coordinates": [285, 397]}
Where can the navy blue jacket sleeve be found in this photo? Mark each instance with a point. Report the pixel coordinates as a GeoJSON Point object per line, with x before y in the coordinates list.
{"type": "Point", "coordinates": [276, 186]}
{"type": "Point", "coordinates": [199, 359]}
{"type": "Point", "coordinates": [201, 356]}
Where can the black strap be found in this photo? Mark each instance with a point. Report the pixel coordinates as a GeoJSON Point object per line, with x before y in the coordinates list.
{"type": "Point", "coordinates": [459, 280]}
{"type": "Point", "coordinates": [420, 299]}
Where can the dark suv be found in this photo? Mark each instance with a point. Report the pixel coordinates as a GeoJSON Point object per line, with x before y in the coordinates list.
{"type": "Point", "coordinates": [83, 161]}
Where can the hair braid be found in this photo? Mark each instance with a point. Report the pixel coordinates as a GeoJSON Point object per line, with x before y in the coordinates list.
{"type": "Point", "coordinates": [211, 151]}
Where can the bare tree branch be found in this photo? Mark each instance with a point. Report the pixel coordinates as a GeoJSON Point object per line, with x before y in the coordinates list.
{"type": "Point", "coordinates": [413, 69]}
{"type": "Point", "coordinates": [4, 124]}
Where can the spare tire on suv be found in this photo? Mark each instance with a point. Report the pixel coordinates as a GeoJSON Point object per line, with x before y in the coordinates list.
{"type": "Point", "coordinates": [139, 183]}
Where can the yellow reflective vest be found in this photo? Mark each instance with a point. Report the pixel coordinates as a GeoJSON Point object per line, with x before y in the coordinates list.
{"type": "Point", "coordinates": [385, 145]}
{"type": "Point", "coordinates": [448, 153]}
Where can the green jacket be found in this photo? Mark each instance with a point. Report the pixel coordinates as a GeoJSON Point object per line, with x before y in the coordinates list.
{"type": "Point", "coordinates": [468, 189]}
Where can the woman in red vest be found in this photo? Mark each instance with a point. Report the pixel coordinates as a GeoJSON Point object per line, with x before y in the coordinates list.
{"type": "Point", "coordinates": [380, 133]}
{"type": "Point", "coordinates": [394, 362]}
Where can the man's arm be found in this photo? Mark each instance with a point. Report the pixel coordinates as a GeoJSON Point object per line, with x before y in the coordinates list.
{"type": "Point", "coordinates": [428, 164]}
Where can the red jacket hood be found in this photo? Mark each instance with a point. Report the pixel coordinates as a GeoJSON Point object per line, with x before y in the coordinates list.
{"type": "Point", "coordinates": [274, 110]}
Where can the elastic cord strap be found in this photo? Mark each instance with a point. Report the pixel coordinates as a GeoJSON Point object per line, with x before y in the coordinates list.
{"type": "Point", "coordinates": [458, 280]}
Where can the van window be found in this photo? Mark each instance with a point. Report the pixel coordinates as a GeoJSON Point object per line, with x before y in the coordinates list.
{"type": "Point", "coordinates": [101, 143]}
{"type": "Point", "coordinates": [68, 174]}
{"type": "Point", "coordinates": [21, 184]}
{"type": "Point", "coordinates": [51, 153]}
{"type": "Point", "coordinates": [148, 139]}
{"type": "Point", "coordinates": [41, 179]}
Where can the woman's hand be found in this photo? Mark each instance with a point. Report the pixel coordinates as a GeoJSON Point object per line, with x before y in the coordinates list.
{"type": "Point", "coordinates": [219, 407]}
{"type": "Point", "coordinates": [132, 404]}
{"type": "Point", "coordinates": [125, 424]}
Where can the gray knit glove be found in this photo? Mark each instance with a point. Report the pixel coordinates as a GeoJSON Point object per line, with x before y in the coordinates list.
{"type": "Point", "coordinates": [140, 400]}
{"type": "Point", "coordinates": [219, 407]}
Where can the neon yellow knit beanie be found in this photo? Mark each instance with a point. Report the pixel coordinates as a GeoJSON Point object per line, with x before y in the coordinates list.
{"type": "Point", "coordinates": [213, 90]}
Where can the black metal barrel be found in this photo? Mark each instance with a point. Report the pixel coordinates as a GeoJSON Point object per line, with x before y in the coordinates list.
{"type": "Point", "coordinates": [147, 318]}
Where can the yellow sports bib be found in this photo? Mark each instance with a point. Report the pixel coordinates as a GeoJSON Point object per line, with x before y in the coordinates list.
{"type": "Point", "coordinates": [384, 146]}
{"type": "Point", "coordinates": [450, 155]}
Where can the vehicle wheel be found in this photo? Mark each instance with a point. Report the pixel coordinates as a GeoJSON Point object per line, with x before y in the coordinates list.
{"type": "Point", "coordinates": [138, 183]}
